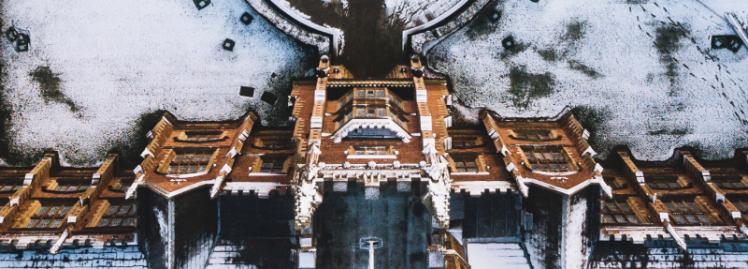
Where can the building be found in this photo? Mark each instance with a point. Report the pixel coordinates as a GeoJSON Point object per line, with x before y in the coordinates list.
{"type": "Point", "coordinates": [377, 172]}
{"type": "Point", "coordinates": [50, 212]}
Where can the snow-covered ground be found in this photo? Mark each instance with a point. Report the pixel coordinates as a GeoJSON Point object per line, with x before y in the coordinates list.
{"type": "Point", "coordinates": [611, 64]}
{"type": "Point", "coordinates": [118, 59]}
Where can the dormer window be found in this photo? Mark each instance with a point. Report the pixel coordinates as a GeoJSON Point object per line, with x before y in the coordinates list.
{"type": "Point", "coordinates": [466, 142]}
{"type": "Point", "coordinates": [369, 93]}
{"type": "Point", "coordinates": [272, 143]}
{"type": "Point", "coordinates": [742, 205]}
{"type": "Point", "coordinates": [10, 185]}
{"type": "Point", "coordinates": [729, 183]}
{"type": "Point", "coordinates": [665, 183]}
{"type": "Point", "coordinates": [190, 161]}
{"type": "Point", "coordinates": [552, 159]}
{"type": "Point", "coordinates": [67, 185]}
{"type": "Point", "coordinates": [118, 216]}
{"type": "Point", "coordinates": [273, 164]}
{"type": "Point", "coordinates": [200, 136]}
{"type": "Point", "coordinates": [48, 217]}
{"type": "Point", "coordinates": [533, 134]}
{"type": "Point", "coordinates": [619, 212]}
{"type": "Point", "coordinates": [371, 152]}
{"type": "Point", "coordinates": [687, 212]}
{"type": "Point", "coordinates": [466, 163]}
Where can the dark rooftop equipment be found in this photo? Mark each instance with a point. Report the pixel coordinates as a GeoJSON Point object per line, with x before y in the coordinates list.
{"type": "Point", "coordinates": [495, 16]}
{"type": "Point", "coordinates": [247, 91]}
{"type": "Point", "coordinates": [269, 98]}
{"type": "Point", "coordinates": [246, 18]}
{"type": "Point", "coordinates": [508, 42]}
{"type": "Point", "coordinates": [22, 42]}
{"type": "Point", "coordinates": [11, 34]}
{"type": "Point", "coordinates": [228, 44]}
{"type": "Point", "coordinates": [730, 42]}
{"type": "Point", "coordinates": [19, 37]}
{"type": "Point", "coordinates": [200, 4]}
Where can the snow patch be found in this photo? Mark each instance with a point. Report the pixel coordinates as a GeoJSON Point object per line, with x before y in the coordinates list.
{"type": "Point", "coordinates": [574, 241]}
{"type": "Point", "coordinates": [706, 106]}
{"type": "Point", "coordinates": [119, 59]}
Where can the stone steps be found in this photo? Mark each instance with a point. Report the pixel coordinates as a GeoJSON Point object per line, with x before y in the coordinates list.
{"type": "Point", "coordinates": [224, 254]}
{"type": "Point", "coordinates": [488, 255]}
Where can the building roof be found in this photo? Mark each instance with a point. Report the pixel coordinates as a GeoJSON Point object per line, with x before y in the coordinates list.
{"type": "Point", "coordinates": [679, 198]}
{"type": "Point", "coordinates": [183, 155]}
{"type": "Point", "coordinates": [552, 153]}
{"type": "Point", "coordinates": [66, 205]}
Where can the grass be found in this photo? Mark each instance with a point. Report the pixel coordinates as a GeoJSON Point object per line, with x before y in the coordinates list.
{"type": "Point", "coordinates": [675, 131]}
{"type": "Point", "coordinates": [481, 25]}
{"type": "Point", "coordinates": [524, 86]}
{"type": "Point", "coordinates": [668, 38]}
{"type": "Point", "coordinates": [576, 65]}
{"type": "Point", "coordinates": [592, 119]}
{"type": "Point", "coordinates": [49, 86]}
{"type": "Point", "coordinates": [575, 31]}
{"type": "Point", "coordinates": [667, 41]}
{"type": "Point", "coordinates": [548, 54]}
{"type": "Point", "coordinates": [129, 150]}
{"type": "Point", "coordinates": [517, 48]}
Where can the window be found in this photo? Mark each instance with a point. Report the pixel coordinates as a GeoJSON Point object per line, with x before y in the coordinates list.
{"type": "Point", "coordinates": [272, 143]}
{"type": "Point", "coordinates": [729, 183]}
{"type": "Point", "coordinates": [201, 136]}
{"type": "Point", "coordinates": [69, 185]}
{"type": "Point", "coordinates": [533, 134]}
{"type": "Point", "coordinates": [619, 212]}
{"type": "Point", "coordinates": [664, 183]}
{"type": "Point", "coordinates": [48, 217]}
{"type": "Point", "coordinates": [464, 164]}
{"type": "Point", "coordinates": [548, 158]}
{"type": "Point", "coordinates": [371, 150]}
{"type": "Point", "coordinates": [369, 93]}
{"type": "Point", "coordinates": [118, 216]}
{"type": "Point", "coordinates": [190, 161]}
{"type": "Point", "coordinates": [10, 186]}
{"type": "Point", "coordinates": [371, 112]}
{"type": "Point", "coordinates": [742, 205]}
{"type": "Point", "coordinates": [465, 142]}
{"type": "Point", "coordinates": [375, 133]}
{"type": "Point", "coordinates": [70, 188]}
{"type": "Point", "coordinates": [272, 164]}
{"type": "Point", "coordinates": [689, 213]}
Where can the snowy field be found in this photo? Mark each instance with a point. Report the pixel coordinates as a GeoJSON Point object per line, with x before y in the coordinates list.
{"type": "Point", "coordinates": [118, 59]}
{"type": "Point", "coordinates": [644, 67]}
